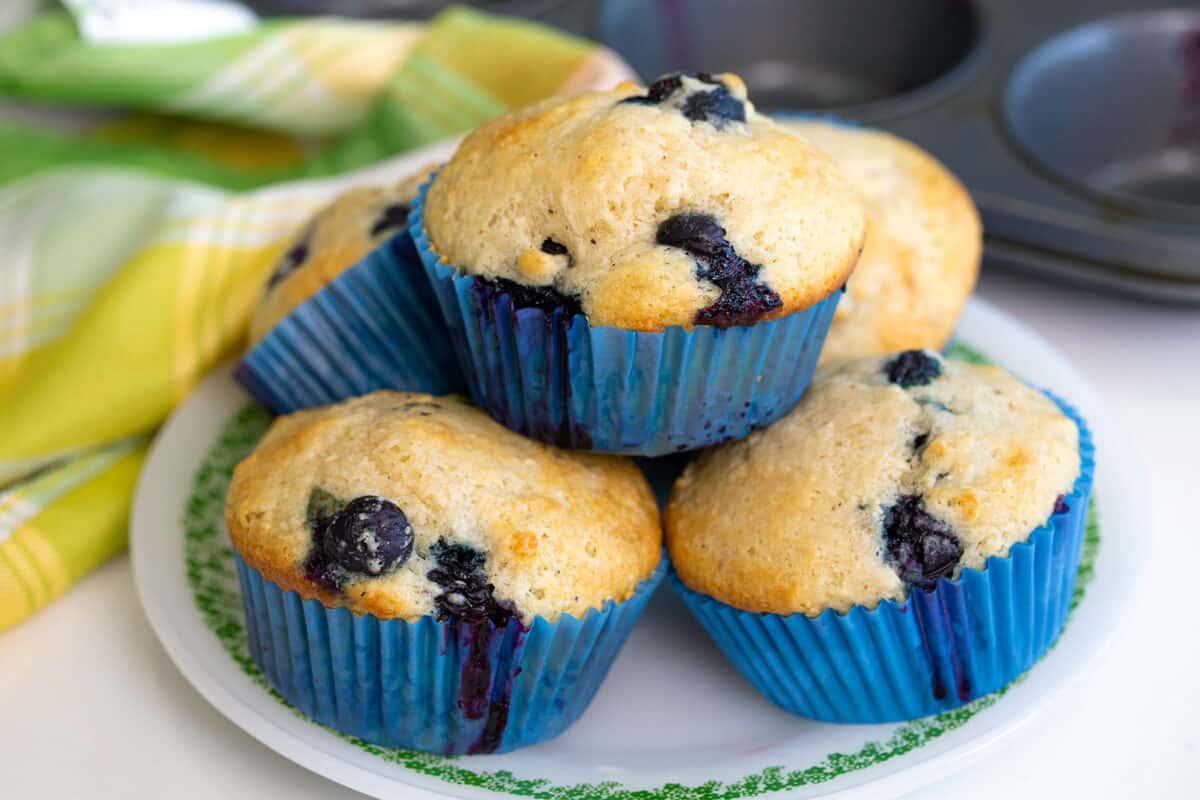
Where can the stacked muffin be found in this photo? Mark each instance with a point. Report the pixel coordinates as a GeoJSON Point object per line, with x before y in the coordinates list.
{"type": "Point", "coordinates": [645, 271]}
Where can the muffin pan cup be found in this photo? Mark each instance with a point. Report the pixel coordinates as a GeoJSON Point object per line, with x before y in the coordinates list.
{"type": "Point", "coordinates": [410, 684]}
{"type": "Point", "coordinates": [376, 326]}
{"type": "Point", "coordinates": [934, 651]}
{"type": "Point", "coordinates": [606, 389]}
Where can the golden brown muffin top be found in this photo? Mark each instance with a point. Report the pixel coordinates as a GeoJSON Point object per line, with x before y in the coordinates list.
{"type": "Point", "coordinates": [356, 504]}
{"type": "Point", "coordinates": [676, 204]}
{"type": "Point", "coordinates": [890, 473]}
{"type": "Point", "coordinates": [923, 246]}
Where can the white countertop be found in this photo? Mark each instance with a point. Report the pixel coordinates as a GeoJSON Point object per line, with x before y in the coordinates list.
{"type": "Point", "coordinates": [90, 706]}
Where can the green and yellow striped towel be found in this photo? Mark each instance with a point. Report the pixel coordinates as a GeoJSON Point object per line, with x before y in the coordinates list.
{"type": "Point", "coordinates": [130, 263]}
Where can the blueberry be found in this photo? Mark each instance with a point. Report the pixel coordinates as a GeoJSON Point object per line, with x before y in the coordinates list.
{"type": "Point", "coordinates": [370, 535]}
{"type": "Point", "coordinates": [922, 547]}
{"type": "Point", "coordinates": [699, 235]}
{"type": "Point", "coordinates": [717, 107]}
{"type": "Point", "coordinates": [467, 599]}
{"type": "Point", "coordinates": [545, 298]}
{"type": "Point", "coordinates": [912, 368]}
{"type": "Point", "coordinates": [742, 300]}
{"type": "Point", "coordinates": [1060, 505]}
{"type": "Point", "coordinates": [466, 594]}
{"type": "Point", "coordinates": [394, 216]}
{"type": "Point", "coordinates": [920, 441]}
{"type": "Point", "coordinates": [667, 85]}
{"type": "Point", "coordinates": [296, 255]}
{"type": "Point", "coordinates": [553, 248]}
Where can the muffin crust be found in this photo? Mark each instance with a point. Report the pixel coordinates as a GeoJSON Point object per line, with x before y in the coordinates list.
{"type": "Point", "coordinates": [885, 476]}
{"type": "Point", "coordinates": [923, 245]}
{"type": "Point", "coordinates": [335, 239]}
{"type": "Point", "coordinates": [578, 197]}
{"type": "Point", "coordinates": [550, 531]}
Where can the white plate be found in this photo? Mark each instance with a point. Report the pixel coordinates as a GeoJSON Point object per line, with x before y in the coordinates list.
{"type": "Point", "coordinates": [673, 711]}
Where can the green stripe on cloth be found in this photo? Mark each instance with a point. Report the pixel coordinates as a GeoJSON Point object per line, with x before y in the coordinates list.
{"type": "Point", "coordinates": [46, 59]}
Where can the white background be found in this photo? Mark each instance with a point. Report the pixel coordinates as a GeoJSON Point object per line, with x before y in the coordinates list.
{"type": "Point", "coordinates": [91, 707]}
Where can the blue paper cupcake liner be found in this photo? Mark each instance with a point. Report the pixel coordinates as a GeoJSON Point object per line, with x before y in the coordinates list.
{"type": "Point", "coordinates": [440, 687]}
{"type": "Point", "coordinates": [936, 650]}
{"type": "Point", "coordinates": [611, 390]}
{"type": "Point", "coordinates": [376, 326]}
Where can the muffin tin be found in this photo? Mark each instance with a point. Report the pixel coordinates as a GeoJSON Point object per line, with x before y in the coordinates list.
{"type": "Point", "coordinates": [1075, 124]}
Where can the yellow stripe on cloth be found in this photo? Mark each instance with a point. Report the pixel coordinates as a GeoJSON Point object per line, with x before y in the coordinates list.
{"type": "Point", "coordinates": [44, 556]}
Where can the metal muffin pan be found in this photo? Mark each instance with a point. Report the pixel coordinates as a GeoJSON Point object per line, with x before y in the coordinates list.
{"type": "Point", "coordinates": [1075, 123]}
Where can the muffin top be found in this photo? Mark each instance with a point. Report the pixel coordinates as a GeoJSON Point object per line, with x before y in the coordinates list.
{"type": "Point", "coordinates": [891, 472]}
{"type": "Point", "coordinates": [334, 240]}
{"type": "Point", "coordinates": [922, 250]}
{"type": "Point", "coordinates": [676, 204]}
{"type": "Point", "coordinates": [407, 505]}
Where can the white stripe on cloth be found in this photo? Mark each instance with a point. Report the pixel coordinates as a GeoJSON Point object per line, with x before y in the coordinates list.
{"type": "Point", "coordinates": [23, 501]}
{"type": "Point", "coordinates": [270, 86]}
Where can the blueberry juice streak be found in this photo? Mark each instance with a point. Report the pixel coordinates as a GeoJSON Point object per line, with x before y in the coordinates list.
{"type": "Point", "coordinates": [468, 603]}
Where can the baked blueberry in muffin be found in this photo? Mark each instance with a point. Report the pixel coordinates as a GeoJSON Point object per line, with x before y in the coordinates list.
{"type": "Point", "coordinates": [355, 223]}
{"type": "Point", "coordinates": [643, 208]}
{"type": "Point", "coordinates": [922, 250]}
{"type": "Point", "coordinates": [891, 473]}
{"type": "Point", "coordinates": [699, 96]}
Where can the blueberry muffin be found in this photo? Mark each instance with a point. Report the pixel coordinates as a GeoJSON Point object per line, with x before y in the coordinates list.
{"type": "Point", "coordinates": [891, 473]}
{"type": "Point", "coordinates": [903, 542]}
{"type": "Point", "coordinates": [417, 576]}
{"type": "Point", "coordinates": [406, 505]}
{"type": "Point", "coordinates": [644, 208]}
{"type": "Point", "coordinates": [640, 271]}
{"type": "Point", "coordinates": [923, 245]}
{"type": "Point", "coordinates": [354, 224]}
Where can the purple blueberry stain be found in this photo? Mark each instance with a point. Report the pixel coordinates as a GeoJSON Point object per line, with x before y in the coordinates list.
{"type": "Point", "coordinates": [318, 567]}
{"type": "Point", "coordinates": [467, 600]}
{"type": "Point", "coordinates": [544, 298]}
{"type": "Point", "coordinates": [743, 300]}
{"type": "Point", "coordinates": [466, 594]}
{"type": "Point", "coordinates": [920, 546]}
{"type": "Point", "coordinates": [912, 368]}
{"type": "Point", "coordinates": [1060, 505]}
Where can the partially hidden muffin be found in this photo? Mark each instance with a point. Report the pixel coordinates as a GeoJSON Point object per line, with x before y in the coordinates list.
{"type": "Point", "coordinates": [891, 473]}
{"type": "Point", "coordinates": [354, 224]}
{"type": "Point", "coordinates": [407, 505]}
{"type": "Point", "coordinates": [923, 246]}
{"type": "Point", "coordinates": [643, 208]}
